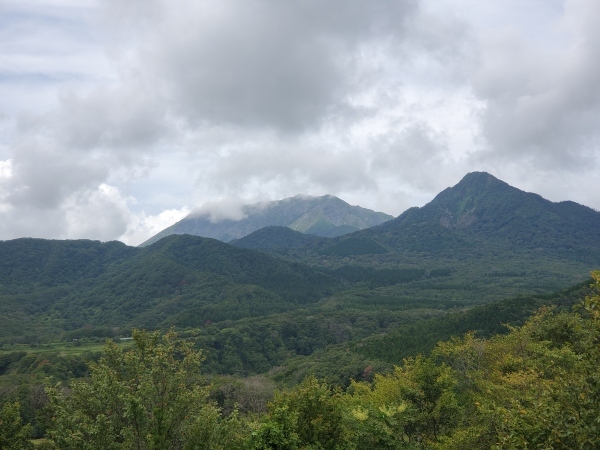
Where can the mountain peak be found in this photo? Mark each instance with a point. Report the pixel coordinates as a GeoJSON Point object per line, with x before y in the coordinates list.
{"type": "Point", "coordinates": [477, 181]}
{"type": "Point", "coordinates": [478, 177]}
{"type": "Point", "coordinates": [474, 188]}
{"type": "Point", "coordinates": [481, 209]}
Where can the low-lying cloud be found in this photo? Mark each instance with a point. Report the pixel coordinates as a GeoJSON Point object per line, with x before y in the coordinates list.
{"type": "Point", "coordinates": [219, 210]}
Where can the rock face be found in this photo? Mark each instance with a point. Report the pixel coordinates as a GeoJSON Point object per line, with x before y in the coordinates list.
{"type": "Point", "coordinates": [326, 216]}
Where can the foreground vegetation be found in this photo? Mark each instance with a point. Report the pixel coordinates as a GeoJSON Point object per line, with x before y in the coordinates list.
{"type": "Point", "coordinates": [536, 387]}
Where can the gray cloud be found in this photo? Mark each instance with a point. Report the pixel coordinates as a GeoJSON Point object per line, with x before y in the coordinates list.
{"type": "Point", "coordinates": [543, 104]}
{"type": "Point", "coordinates": [105, 205]}
{"type": "Point", "coordinates": [218, 210]}
{"type": "Point", "coordinates": [43, 175]}
{"type": "Point", "coordinates": [292, 168]}
{"type": "Point", "coordinates": [383, 103]}
{"type": "Point", "coordinates": [115, 120]}
{"type": "Point", "coordinates": [69, 151]}
{"type": "Point", "coordinates": [282, 65]}
{"type": "Point", "coordinates": [417, 145]}
{"type": "Point", "coordinates": [31, 222]}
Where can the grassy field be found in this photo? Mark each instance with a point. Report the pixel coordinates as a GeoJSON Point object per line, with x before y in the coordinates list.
{"type": "Point", "coordinates": [62, 348]}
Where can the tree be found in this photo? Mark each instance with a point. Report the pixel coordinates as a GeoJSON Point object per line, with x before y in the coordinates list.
{"type": "Point", "coordinates": [13, 434]}
{"type": "Point", "coordinates": [147, 398]}
{"type": "Point", "coordinates": [557, 405]}
{"type": "Point", "coordinates": [409, 408]}
{"type": "Point", "coordinates": [307, 417]}
{"type": "Point", "coordinates": [536, 388]}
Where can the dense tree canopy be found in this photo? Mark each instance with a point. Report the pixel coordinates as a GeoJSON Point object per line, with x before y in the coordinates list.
{"type": "Point", "coordinates": [14, 434]}
{"type": "Point", "coordinates": [150, 397]}
{"type": "Point", "coordinates": [536, 387]}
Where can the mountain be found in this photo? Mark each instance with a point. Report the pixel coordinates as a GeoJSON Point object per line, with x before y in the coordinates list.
{"type": "Point", "coordinates": [475, 243]}
{"type": "Point", "coordinates": [484, 213]}
{"type": "Point", "coordinates": [35, 263]}
{"type": "Point", "coordinates": [481, 215]}
{"type": "Point", "coordinates": [326, 216]}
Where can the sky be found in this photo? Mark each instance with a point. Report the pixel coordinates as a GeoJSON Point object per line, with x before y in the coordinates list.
{"type": "Point", "coordinates": [118, 118]}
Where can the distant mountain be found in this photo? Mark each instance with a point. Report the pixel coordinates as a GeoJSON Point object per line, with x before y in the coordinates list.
{"type": "Point", "coordinates": [326, 216]}
{"type": "Point", "coordinates": [484, 236]}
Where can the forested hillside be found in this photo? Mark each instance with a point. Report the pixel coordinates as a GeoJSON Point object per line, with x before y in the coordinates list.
{"type": "Point", "coordinates": [535, 387]}
{"type": "Point", "coordinates": [181, 281]}
{"type": "Point", "coordinates": [482, 212]}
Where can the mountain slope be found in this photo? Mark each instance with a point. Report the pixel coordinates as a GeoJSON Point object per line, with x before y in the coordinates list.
{"type": "Point", "coordinates": [322, 216]}
{"type": "Point", "coordinates": [39, 262]}
{"type": "Point", "coordinates": [489, 237]}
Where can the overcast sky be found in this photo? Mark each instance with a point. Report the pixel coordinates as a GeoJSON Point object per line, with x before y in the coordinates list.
{"type": "Point", "coordinates": [119, 117]}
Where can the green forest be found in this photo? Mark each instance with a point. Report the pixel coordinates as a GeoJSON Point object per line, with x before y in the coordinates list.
{"type": "Point", "coordinates": [535, 387]}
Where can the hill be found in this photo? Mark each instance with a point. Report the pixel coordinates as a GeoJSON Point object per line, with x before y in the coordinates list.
{"type": "Point", "coordinates": [326, 216]}
{"type": "Point", "coordinates": [28, 263]}
{"type": "Point", "coordinates": [52, 286]}
{"type": "Point", "coordinates": [286, 304]}
{"type": "Point", "coordinates": [480, 215]}
{"type": "Point", "coordinates": [273, 238]}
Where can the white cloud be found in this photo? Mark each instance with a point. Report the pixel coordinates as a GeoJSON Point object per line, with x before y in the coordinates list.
{"type": "Point", "coordinates": [129, 111]}
{"type": "Point", "coordinates": [222, 209]}
{"type": "Point", "coordinates": [5, 175]}
{"type": "Point", "coordinates": [142, 227]}
{"type": "Point", "coordinates": [5, 170]}
{"type": "Point", "coordinates": [97, 214]}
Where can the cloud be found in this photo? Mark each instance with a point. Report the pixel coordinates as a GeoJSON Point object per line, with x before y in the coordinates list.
{"type": "Point", "coordinates": [281, 65]}
{"type": "Point", "coordinates": [288, 167]}
{"type": "Point", "coordinates": [142, 227]}
{"type": "Point", "coordinates": [105, 214]}
{"type": "Point", "coordinates": [416, 146]}
{"type": "Point", "coordinates": [219, 210]}
{"type": "Point", "coordinates": [543, 102]}
{"type": "Point", "coordinates": [255, 69]}
{"type": "Point", "coordinates": [104, 205]}
{"type": "Point", "coordinates": [118, 120]}
{"type": "Point", "coordinates": [134, 110]}
{"type": "Point", "coordinates": [5, 175]}
{"type": "Point", "coordinates": [43, 176]}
